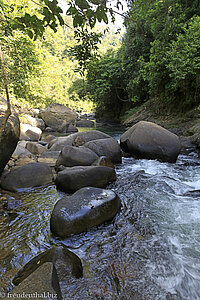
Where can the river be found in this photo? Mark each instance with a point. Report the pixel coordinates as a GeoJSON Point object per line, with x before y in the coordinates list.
{"type": "Point", "coordinates": [151, 250]}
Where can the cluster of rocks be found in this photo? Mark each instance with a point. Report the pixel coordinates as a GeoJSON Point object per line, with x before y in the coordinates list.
{"type": "Point", "coordinates": [81, 163]}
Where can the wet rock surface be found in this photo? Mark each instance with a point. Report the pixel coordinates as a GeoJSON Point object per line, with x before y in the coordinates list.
{"type": "Point", "coordinates": [74, 178]}
{"type": "Point", "coordinates": [30, 175]}
{"type": "Point", "coordinates": [41, 283]}
{"type": "Point", "coordinates": [67, 264]}
{"type": "Point", "coordinates": [86, 208]}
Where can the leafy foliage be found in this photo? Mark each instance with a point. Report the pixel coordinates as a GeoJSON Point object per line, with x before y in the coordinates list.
{"type": "Point", "coordinates": [106, 85]}
{"type": "Point", "coordinates": [86, 48]}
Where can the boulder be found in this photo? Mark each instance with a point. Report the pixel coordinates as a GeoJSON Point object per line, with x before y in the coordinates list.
{"type": "Point", "coordinates": [103, 161]}
{"type": "Point", "coordinates": [49, 158]}
{"type": "Point", "coordinates": [67, 264]}
{"type": "Point", "coordinates": [71, 156]}
{"type": "Point", "coordinates": [151, 141]}
{"type": "Point", "coordinates": [108, 147]}
{"type": "Point", "coordinates": [70, 140]}
{"type": "Point", "coordinates": [85, 123]}
{"type": "Point", "coordinates": [58, 117]}
{"type": "Point", "coordinates": [86, 208]}
{"type": "Point", "coordinates": [29, 132]}
{"type": "Point", "coordinates": [30, 175]}
{"type": "Point", "coordinates": [42, 283]}
{"type": "Point", "coordinates": [10, 135]}
{"type": "Point", "coordinates": [35, 148]}
{"type": "Point", "coordinates": [74, 178]}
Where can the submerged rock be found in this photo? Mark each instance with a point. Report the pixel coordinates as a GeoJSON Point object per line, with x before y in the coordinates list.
{"type": "Point", "coordinates": [42, 283]}
{"type": "Point", "coordinates": [86, 208]}
{"type": "Point", "coordinates": [67, 264]}
{"type": "Point", "coordinates": [74, 178]}
{"type": "Point", "coordinates": [30, 175]}
{"type": "Point", "coordinates": [151, 141]}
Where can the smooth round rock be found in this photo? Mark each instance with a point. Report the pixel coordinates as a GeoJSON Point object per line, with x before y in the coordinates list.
{"type": "Point", "coordinates": [27, 176]}
{"type": "Point", "coordinates": [74, 178]}
{"type": "Point", "coordinates": [108, 147]}
{"type": "Point", "coordinates": [86, 208]}
{"type": "Point", "coordinates": [151, 141]}
{"type": "Point", "coordinates": [71, 156]}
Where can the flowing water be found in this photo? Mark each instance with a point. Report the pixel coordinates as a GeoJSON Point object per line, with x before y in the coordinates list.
{"type": "Point", "coordinates": [151, 250]}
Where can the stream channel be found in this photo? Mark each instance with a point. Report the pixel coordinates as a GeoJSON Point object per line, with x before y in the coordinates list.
{"type": "Point", "coordinates": [151, 250]}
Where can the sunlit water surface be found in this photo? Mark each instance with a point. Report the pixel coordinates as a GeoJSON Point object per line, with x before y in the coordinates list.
{"type": "Point", "coordinates": [151, 250]}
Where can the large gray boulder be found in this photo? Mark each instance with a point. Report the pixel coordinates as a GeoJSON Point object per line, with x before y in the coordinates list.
{"type": "Point", "coordinates": [58, 117]}
{"type": "Point", "coordinates": [71, 156]}
{"type": "Point", "coordinates": [108, 147]}
{"type": "Point", "coordinates": [43, 281]}
{"type": "Point", "coordinates": [151, 141]}
{"type": "Point", "coordinates": [67, 264]}
{"type": "Point", "coordinates": [77, 139]}
{"type": "Point", "coordinates": [30, 175]}
{"type": "Point", "coordinates": [74, 178]}
{"type": "Point", "coordinates": [86, 208]}
{"type": "Point", "coordinates": [10, 135]}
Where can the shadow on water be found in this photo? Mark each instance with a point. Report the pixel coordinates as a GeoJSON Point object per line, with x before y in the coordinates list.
{"type": "Point", "coordinates": [149, 251]}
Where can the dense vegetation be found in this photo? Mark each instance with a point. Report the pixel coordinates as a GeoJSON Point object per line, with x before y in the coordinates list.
{"type": "Point", "coordinates": [40, 62]}
{"type": "Point", "coordinates": [159, 56]}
